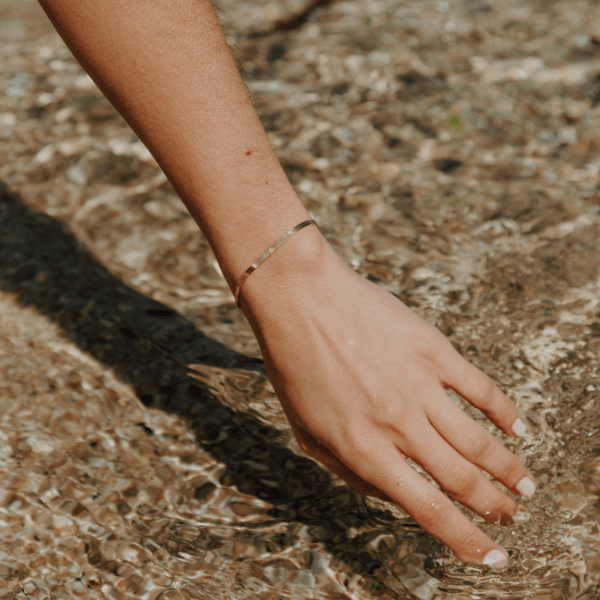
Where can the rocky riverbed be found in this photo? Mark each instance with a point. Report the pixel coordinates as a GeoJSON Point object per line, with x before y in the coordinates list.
{"type": "Point", "coordinates": [450, 152]}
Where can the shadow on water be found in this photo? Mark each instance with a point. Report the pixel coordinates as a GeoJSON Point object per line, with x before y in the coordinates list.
{"type": "Point", "coordinates": [149, 345]}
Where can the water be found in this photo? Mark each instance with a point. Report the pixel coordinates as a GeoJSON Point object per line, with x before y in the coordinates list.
{"type": "Point", "coordinates": [143, 453]}
{"type": "Point", "coordinates": [99, 490]}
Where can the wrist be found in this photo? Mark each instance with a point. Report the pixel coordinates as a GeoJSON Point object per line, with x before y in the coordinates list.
{"type": "Point", "coordinates": [293, 267]}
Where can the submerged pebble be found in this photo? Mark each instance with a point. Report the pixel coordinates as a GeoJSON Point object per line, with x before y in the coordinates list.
{"type": "Point", "coordinates": [143, 453]}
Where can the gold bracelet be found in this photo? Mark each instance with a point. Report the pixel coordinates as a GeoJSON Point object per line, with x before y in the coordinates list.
{"type": "Point", "coordinates": [266, 255]}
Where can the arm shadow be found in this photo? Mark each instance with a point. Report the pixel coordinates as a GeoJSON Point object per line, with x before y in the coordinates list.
{"type": "Point", "coordinates": [149, 346]}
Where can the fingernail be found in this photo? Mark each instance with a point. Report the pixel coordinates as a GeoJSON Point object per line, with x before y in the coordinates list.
{"type": "Point", "coordinates": [519, 428]}
{"type": "Point", "coordinates": [522, 515]}
{"type": "Point", "coordinates": [495, 558]}
{"type": "Point", "coordinates": [526, 487]}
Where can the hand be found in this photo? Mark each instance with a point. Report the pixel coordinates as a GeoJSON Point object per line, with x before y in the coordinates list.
{"type": "Point", "coordinates": [362, 381]}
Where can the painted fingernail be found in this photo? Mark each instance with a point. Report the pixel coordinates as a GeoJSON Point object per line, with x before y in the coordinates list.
{"type": "Point", "coordinates": [495, 558]}
{"type": "Point", "coordinates": [519, 428]}
{"type": "Point", "coordinates": [522, 515]}
{"type": "Point", "coordinates": [526, 487]}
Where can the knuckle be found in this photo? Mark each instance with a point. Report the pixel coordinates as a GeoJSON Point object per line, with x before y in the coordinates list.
{"type": "Point", "coordinates": [485, 389]}
{"type": "Point", "coordinates": [512, 472]}
{"type": "Point", "coordinates": [427, 346]}
{"type": "Point", "coordinates": [384, 407]}
{"type": "Point", "coordinates": [464, 484]}
{"type": "Point", "coordinates": [479, 446]}
{"type": "Point", "coordinates": [424, 516]}
{"type": "Point", "coordinates": [421, 348]}
{"type": "Point", "coordinates": [358, 445]}
{"type": "Point", "coordinates": [466, 542]}
{"type": "Point", "coordinates": [386, 410]}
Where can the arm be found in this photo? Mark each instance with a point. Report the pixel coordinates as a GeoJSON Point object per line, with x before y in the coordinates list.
{"type": "Point", "coordinates": [361, 378]}
{"type": "Point", "coordinates": [167, 69]}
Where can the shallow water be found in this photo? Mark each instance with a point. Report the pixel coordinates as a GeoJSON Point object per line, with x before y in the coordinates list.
{"type": "Point", "coordinates": [100, 491]}
{"type": "Point", "coordinates": [143, 453]}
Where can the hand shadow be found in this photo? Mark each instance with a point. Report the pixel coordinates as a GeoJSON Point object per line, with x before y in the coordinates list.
{"type": "Point", "coordinates": [149, 346]}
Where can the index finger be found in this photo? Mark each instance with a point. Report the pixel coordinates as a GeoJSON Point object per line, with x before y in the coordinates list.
{"type": "Point", "coordinates": [384, 467]}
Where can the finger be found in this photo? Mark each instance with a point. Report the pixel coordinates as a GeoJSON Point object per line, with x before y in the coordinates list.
{"type": "Point", "coordinates": [480, 391]}
{"type": "Point", "coordinates": [380, 464]}
{"type": "Point", "coordinates": [322, 454]}
{"type": "Point", "coordinates": [479, 446]}
{"type": "Point", "coordinates": [462, 479]}
{"type": "Point", "coordinates": [336, 466]}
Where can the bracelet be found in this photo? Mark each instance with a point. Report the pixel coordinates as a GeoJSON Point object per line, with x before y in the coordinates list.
{"type": "Point", "coordinates": [266, 255]}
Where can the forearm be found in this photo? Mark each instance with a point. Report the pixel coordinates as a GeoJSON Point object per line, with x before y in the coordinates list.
{"type": "Point", "coordinates": [166, 67]}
